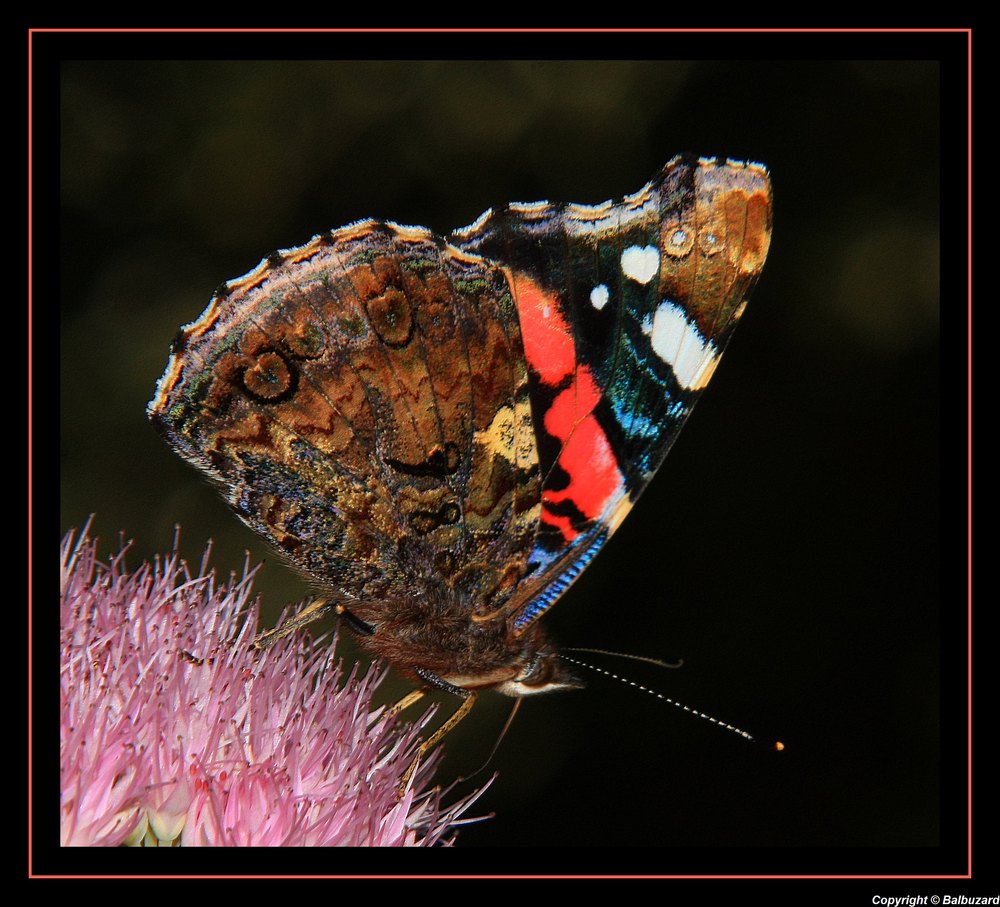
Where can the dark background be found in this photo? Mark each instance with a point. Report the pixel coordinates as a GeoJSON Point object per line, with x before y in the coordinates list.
{"type": "Point", "coordinates": [790, 550]}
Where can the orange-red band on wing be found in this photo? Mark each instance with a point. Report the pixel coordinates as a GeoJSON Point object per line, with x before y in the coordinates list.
{"type": "Point", "coordinates": [586, 455]}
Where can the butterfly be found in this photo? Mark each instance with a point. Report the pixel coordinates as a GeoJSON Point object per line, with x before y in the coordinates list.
{"type": "Point", "coordinates": [442, 432]}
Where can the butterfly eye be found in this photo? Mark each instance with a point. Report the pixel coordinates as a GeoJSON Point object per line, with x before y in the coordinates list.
{"type": "Point", "coordinates": [544, 673]}
{"type": "Point", "coordinates": [535, 672]}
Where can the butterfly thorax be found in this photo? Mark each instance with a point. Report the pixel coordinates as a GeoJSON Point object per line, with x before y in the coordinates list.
{"type": "Point", "coordinates": [434, 633]}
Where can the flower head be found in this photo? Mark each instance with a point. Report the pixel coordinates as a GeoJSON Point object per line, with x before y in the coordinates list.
{"type": "Point", "coordinates": [176, 730]}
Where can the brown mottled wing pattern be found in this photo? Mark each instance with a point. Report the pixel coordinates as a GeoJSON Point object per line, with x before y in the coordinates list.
{"type": "Point", "coordinates": [363, 403]}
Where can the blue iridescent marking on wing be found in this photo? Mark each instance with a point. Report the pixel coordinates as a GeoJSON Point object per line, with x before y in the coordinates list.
{"type": "Point", "coordinates": [541, 603]}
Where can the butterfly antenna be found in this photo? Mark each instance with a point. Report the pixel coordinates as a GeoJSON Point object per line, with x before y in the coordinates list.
{"type": "Point", "coordinates": [659, 662]}
{"type": "Point", "coordinates": [667, 699]}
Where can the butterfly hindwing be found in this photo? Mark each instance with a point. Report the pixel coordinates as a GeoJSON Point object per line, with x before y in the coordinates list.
{"type": "Point", "coordinates": [363, 402]}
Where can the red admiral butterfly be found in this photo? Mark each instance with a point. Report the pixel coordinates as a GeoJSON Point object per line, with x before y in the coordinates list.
{"type": "Point", "coordinates": [443, 432]}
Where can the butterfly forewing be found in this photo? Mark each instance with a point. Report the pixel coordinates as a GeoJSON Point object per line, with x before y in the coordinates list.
{"type": "Point", "coordinates": [625, 310]}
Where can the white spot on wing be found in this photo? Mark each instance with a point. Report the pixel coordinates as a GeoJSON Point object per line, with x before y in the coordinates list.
{"type": "Point", "coordinates": [641, 263]}
{"type": "Point", "coordinates": [679, 343]}
{"type": "Point", "coordinates": [599, 296]}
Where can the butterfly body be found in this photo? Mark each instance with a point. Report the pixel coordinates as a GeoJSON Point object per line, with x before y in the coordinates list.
{"type": "Point", "coordinates": [441, 433]}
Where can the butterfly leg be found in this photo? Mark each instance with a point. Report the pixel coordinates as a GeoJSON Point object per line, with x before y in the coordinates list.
{"type": "Point", "coordinates": [311, 612]}
{"type": "Point", "coordinates": [407, 701]}
{"type": "Point", "coordinates": [359, 626]}
{"type": "Point", "coordinates": [432, 680]}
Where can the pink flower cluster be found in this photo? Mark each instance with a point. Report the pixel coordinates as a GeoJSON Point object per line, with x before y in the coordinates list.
{"type": "Point", "coordinates": [175, 730]}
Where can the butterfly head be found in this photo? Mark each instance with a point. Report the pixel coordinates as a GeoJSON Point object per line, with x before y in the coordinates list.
{"type": "Point", "coordinates": [540, 670]}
